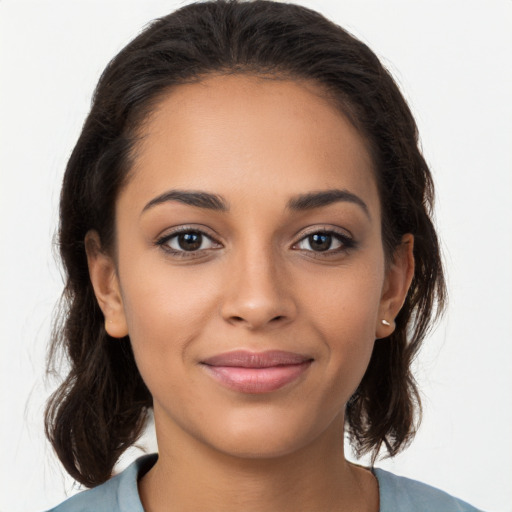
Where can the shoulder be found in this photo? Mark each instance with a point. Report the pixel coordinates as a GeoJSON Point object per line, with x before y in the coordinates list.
{"type": "Point", "coordinates": [400, 494]}
{"type": "Point", "coordinates": [119, 494]}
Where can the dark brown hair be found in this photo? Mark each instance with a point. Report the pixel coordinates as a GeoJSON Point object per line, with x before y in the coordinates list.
{"type": "Point", "coordinates": [101, 407]}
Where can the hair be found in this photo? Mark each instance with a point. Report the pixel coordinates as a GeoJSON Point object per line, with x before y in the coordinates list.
{"type": "Point", "coordinates": [102, 406]}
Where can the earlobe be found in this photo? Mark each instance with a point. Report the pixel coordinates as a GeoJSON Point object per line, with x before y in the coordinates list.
{"type": "Point", "coordinates": [398, 280]}
{"type": "Point", "coordinates": [102, 272]}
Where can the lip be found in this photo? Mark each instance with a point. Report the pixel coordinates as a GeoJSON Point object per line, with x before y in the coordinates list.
{"type": "Point", "coordinates": [256, 372]}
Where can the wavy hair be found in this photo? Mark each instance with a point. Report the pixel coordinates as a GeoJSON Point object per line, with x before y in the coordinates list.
{"type": "Point", "coordinates": [101, 407]}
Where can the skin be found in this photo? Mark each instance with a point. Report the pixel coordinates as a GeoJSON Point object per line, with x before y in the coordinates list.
{"type": "Point", "coordinates": [256, 283]}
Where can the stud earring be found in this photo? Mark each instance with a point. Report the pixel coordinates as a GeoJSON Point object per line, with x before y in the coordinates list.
{"type": "Point", "coordinates": [385, 322]}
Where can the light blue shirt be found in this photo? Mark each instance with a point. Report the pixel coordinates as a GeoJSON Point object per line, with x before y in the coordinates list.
{"type": "Point", "coordinates": [397, 494]}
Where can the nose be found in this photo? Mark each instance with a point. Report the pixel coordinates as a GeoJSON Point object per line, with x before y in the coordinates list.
{"type": "Point", "coordinates": [258, 293]}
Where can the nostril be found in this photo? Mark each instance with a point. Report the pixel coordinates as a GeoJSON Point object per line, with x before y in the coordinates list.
{"type": "Point", "coordinates": [239, 319]}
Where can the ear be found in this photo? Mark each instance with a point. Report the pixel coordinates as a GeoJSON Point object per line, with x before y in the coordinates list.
{"type": "Point", "coordinates": [398, 279]}
{"type": "Point", "coordinates": [105, 282]}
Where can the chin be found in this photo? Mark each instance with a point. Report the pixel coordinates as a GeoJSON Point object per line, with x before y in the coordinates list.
{"type": "Point", "coordinates": [268, 436]}
{"type": "Point", "coordinates": [262, 447]}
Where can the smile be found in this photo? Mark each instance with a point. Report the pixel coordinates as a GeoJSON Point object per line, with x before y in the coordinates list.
{"type": "Point", "coordinates": [263, 372]}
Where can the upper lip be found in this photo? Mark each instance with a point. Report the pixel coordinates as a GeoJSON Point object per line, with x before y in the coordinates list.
{"type": "Point", "coordinates": [247, 359]}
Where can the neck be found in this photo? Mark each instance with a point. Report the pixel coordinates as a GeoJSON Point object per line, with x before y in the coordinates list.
{"type": "Point", "coordinates": [191, 476]}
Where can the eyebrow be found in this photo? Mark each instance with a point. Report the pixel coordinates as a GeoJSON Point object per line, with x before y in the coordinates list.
{"type": "Point", "coordinates": [190, 197]}
{"type": "Point", "coordinates": [301, 202]}
{"type": "Point", "coordinates": [321, 198]}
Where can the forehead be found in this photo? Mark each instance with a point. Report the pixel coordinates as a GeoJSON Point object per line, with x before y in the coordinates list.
{"type": "Point", "coordinates": [233, 133]}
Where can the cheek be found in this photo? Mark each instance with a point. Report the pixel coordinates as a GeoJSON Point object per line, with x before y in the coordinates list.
{"type": "Point", "coordinates": [345, 314]}
{"type": "Point", "coordinates": [166, 310]}
{"type": "Point", "coordinates": [346, 303]}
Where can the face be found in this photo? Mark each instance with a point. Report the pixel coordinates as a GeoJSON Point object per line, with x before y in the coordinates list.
{"type": "Point", "coordinates": [250, 273]}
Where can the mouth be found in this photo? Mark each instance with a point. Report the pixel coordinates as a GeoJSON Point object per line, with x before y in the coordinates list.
{"type": "Point", "coordinates": [256, 372]}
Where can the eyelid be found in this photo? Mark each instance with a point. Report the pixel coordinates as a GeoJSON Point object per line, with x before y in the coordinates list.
{"type": "Point", "coordinates": [168, 235]}
{"type": "Point", "coordinates": [344, 236]}
{"type": "Point", "coordinates": [323, 228]}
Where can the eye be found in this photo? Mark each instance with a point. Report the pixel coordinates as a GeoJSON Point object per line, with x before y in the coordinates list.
{"type": "Point", "coordinates": [325, 241]}
{"type": "Point", "coordinates": [187, 241]}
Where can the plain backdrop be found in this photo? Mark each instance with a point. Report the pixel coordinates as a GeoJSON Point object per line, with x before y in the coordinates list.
{"type": "Point", "coordinates": [452, 60]}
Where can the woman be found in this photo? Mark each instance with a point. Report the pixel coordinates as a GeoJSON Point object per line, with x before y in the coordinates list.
{"type": "Point", "coordinates": [245, 224]}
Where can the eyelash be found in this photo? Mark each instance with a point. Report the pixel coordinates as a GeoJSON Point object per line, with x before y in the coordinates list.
{"type": "Point", "coordinates": [346, 242]}
{"type": "Point", "coordinates": [164, 240]}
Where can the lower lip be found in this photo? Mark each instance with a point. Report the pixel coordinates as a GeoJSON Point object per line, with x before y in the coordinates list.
{"type": "Point", "coordinates": [257, 380]}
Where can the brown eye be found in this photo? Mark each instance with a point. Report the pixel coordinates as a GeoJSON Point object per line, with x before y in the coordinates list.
{"type": "Point", "coordinates": [190, 241]}
{"type": "Point", "coordinates": [320, 241]}
{"type": "Point", "coordinates": [328, 242]}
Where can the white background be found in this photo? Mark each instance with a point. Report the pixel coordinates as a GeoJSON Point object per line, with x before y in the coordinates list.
{"type": "Point", "coordinates": [452, 60]}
